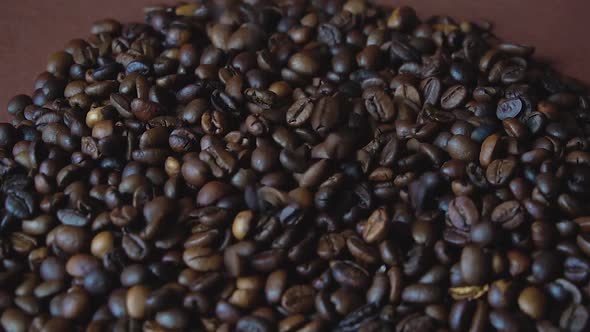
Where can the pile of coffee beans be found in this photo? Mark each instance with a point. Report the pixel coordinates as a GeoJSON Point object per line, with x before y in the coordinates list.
{"type": "Point", "coordinates": [305, 165]}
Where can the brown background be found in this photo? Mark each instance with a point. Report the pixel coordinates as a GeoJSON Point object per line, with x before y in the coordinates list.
{"type": "Point", "coordinates": [30, 30]}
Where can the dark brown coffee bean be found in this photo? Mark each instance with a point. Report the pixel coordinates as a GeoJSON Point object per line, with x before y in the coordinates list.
{"type": "Point", "coordinates": [20, 203]}
{"type": "Point", "coordinates": [376, 227]}
{"type": "Point", "coordinates": [453, 97]}
{"type": "Point", "coordinates": [532, 301]}
{"type": "Point", "coordinates": [349, 274]}
{"type": "Point", "coordinates": [52, 269]}
{"type": "Point", "coordinates": [545, 266]}
{"type": "Point", "coordinates": [72, 218]}
{"type": "Point", "coordinates": [71, 239]}
{"type": "Point", "coordinates": [14, 319]}
{"type": "Point", "coordinates": [298, 299]}
{"type": "Point", "coordinates": [475, 266]}
{"type": "Point", "coordinates": [268, 260]}
{"type": "Point", "coordinates": [509, 108]}
{"type": "Point", "coordinates": [574, 318]}
{"type": "Point", "coordinates": [504, 320]}
{"type": "Point", "coordinates": [459, 315]}
{"type": "Point", "coordinates": [421, 294]}
{"type": "Point", "coordinates": [500, 171]}
{"type": "Point", "coordinates": [462, 213]}
{"type": "Point", "coordinates": [463, 148]}
{"type": "Point", "coordinates": [253, 323]}
{"type": "Point", "coordinates": [361, 250]}
{"type": "Point", "coordinates": [431, 90]}
{"type": "Point", "coordinates": [80, 265]}
{"type": "Point", "coordinates": [329, 34]}
{"type": "Point", "coordinates": [379, 104]}
{"type": "Point", "coordinates": [135, 248]}
{"type": "Point", "coordinates": [331, 246]}
{"type": "Point", "coordinates": [326, 114]}
{"type": "Point", "coordinates": [509, 214]}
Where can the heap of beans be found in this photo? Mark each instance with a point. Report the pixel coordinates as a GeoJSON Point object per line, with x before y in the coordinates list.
{"type": "Point", "coordinates": [320, 165]}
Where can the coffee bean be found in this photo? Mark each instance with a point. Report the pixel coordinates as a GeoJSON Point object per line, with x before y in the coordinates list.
{"type": "Point", "coordinates": [421, 294]}
{"type": "Point", "coordinates": [195, 172]}
{"type": "Point", "coordinates": [202, 259]}
{"type": "Point", "coordinates": [431, 89]}
{"type": "Point", "coordinates": [80, 265]}
{"type": "Point", "coordinates": [474, 265]}
{"type": "Point", "coordinates": [453, 97]}
{"type": "Point", "coordinates": [462, 213]}
{"type": "Point", "coordinates": [74, 304]}
{"type": "Point", "coordinates": [379, 105]}
{"type": "Point", "coordinates": [509, 214]}
{"type": "Point", "coordinates": [500, 171]}
{"type": "Point", "coordinates": [402, 50]}
{"type": "Point", "coordinates": [574, 318]}
{"type": "Point", "coordinates": [532, 302]}
{"type": "Point", "coordinates": [298, 299]}
{"type": "Point", "coordinates": [361, 250]}
{"type": "Point", "coordinates": [253, 323]}
{"type": "Point", "coordinates": [509, 108]}
{"type": "Point", "coordinates": [14, 320]}
{"type": "Point", "coordinates": [20, 203]}
{"type": "Point", "coordinates": [329, 34]}
{"type": "Point", "coordinates": [576, 269]}
{"type": "Point", "coordinates": [463, 148]}
{"type": "Point", "coordinates": [70, 239]}
{"type": "Point", "coordinates": [135, 301]}
{"type": "Point", "coordinates": [97, 282]}
{"type": "Point", "coordinates": [459, 315]}
{"type": "Point", "coordinates": [331, 246]}
{"type": "Point", "coordinates": [72, 218]}
{"type": "Point", "coordinates": [376, 227]}
{"type": "Point", "coordinates": [504, 320]}
{"type": "Point", "coordinates": [483, 233]}
{"type": "Point", "coordinates": [349, 274]}
{"type": "Point", "coordinates": [545, 266]}
{"type": "Point", "coordinates": [52, 269]}
{"type": "Point", "coordinates": [135, 248]}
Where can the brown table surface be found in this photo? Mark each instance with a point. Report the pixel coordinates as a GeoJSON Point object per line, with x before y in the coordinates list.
{"type": "Point", "coordinates": [30, 30]}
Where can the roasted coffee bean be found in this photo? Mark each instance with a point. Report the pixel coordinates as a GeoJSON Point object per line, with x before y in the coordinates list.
{"type": "Point", "coordinates": [354, 319]}
{"type": "Point", "coordinates": [20, 203]}
{"type": "Point", "coordinates": [453, 97]}
{"type": "Point", "coordinates": [135, 247]}
{"type": "Point", "coordinates": [298, 299]}
{"type": "Point", "coordinates": [509, 108]}
{"type": "Point", "coordinates": [462, 213]}
{"type": "Point", "coordinates": [574, 318]}
{"type": "Point", "coordinates": [463, 148]}
{"type": "Point", "coordinates": [475, 266]}
{"type": "Point", "coordinates": [509, 214]}
{"type": "Point", "coordinates": [500, 171]}
{"type": "Point", "coordinates": [545, 266]}
{"type": "Point", "coordinates": [362, 251]}
{"type": "Point", "coordinates": [376, 227]}
{"type": "Point", "coordinates": [379, 104]}
{"type": "Point", "coordinates": [504, 320]}
{"type": "Point", "coordinates": [253, 323]}
{"type": "Point", "coordinates": [70, 239]}
{"type": "Point", "coordinates": [72, 218]}
{"type": "Point", "coordinates": [532, 302]}
{"type": "Point", "coordinates": [431, 90]}
{"type": "Point", "coordinates": [421, 294]}
{"type": "Point", "coordinates": [135, 301]}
